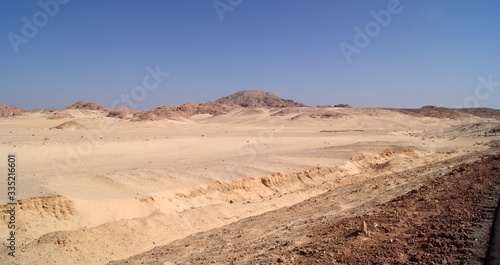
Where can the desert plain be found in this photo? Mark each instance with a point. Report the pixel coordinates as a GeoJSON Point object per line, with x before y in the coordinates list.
{"type": "Point", "coordinates": [252, 184]}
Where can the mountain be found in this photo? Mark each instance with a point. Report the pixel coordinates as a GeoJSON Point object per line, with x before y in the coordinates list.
{"type": "Point", "coordinates": [245, 98]}
{"type": "Point", "coordinates": [86, 105]}
{"type": "Point", "coordinates": [257, 99]}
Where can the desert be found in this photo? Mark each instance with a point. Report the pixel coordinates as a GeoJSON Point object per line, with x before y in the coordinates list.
{"type": "Point", "coordinates": [249, 132]}
{"type": "Point", "coordinates": [252, 178]}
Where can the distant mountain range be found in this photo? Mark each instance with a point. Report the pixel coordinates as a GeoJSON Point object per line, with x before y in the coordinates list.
{"type": "Point", "coordinates": [245, 98]}
{"type": "Point", "coordinates": [241, 99]}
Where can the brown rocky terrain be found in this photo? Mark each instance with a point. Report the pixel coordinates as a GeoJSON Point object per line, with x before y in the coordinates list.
{"type": "Point", "coordinates": [439, 112]}
{"type": "Point", "coordinates": [258, 99]}
{"type": "Point", "coordinates": [9, 111]}
{"type": "Point", "coordinates": [495, 130]}
{"type": "Point", "coordinates": [253, 99]}
{"type": "Point", "coordinates": [342, 106]}
{"type": "Point", "coordinates": [86, 105]}
{"type": "Point", "coordinates": [183, 111]}
{"type": "Point", "coordinates": [335, 106]}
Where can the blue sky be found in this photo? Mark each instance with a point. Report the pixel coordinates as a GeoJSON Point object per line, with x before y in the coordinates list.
{"type": "Point", "coordinates": [429, 52]}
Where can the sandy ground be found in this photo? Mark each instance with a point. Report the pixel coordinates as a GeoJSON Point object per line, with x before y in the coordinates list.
{"type": "Point", "coordinates": [440, 215]}
{"type": "Point", "coordinates": [118, 188]}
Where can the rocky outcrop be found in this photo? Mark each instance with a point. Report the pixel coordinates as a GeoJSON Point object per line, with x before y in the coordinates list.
{"type": "Point", "coordinates": [342, 106]}
{"type": "Point", "coordinates": [183, 111]}
{"type": "Point", "coordinates": [257, 99]}
{"type": "Point", "coordinates": [86, 105]}
{"type": "Point", "coordinates": [122, 113]}
{"type": "Point", "coordinates": [70, 125]}
{"type": "Point", "coordinates": [9, 111]}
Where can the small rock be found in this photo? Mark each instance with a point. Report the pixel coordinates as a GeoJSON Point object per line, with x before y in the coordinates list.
{"type": "Point", "coordinates": [364, 228]}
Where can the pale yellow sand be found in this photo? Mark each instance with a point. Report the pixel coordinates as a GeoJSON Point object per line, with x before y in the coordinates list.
{"type": "Point", "coordinates": [119, 188]}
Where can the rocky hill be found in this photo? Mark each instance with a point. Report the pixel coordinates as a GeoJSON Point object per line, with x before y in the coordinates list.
{"type": "Point", "coordinates": [9, 111]}
{"type": "Point", "coordinates": [184, 111]}
{"type": "Point", "coordinates": [86, 105]}
{"type": "Point", "coordinates": [257, 99]}
{"type": "Point", "coordinates": [245, 98]}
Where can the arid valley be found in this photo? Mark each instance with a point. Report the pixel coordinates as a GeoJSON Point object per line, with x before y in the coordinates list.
{"type": "Point", "coordinates": [252, 179]}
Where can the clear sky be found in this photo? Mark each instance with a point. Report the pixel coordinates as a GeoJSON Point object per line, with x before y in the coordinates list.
{"type": "Point", "coordinates": [427, 53]}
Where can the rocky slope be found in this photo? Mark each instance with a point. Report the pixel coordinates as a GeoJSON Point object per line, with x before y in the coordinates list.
{"type": "Point", "coordinates": [86, 105]}
{"type": "Point", "coordinates": [258, 99]}
{"type": "Point", "coordinates": [246, 98]}
{"type": "Point", "coordinates": [9, 111]}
